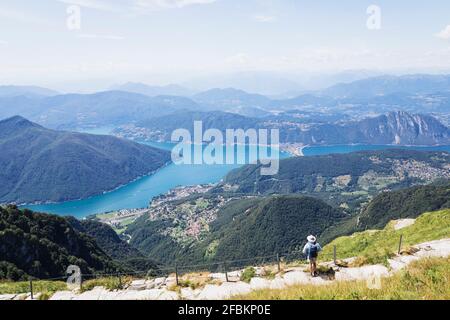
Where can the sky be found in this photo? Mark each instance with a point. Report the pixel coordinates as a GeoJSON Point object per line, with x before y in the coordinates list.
{"type": "Point", "coordinates": [60, 43]}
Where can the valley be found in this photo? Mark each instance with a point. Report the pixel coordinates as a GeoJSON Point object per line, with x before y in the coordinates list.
{"type": "Point", "coordinates": [212, 149]}
{"type": "Point", "coordinates": [138, 194]}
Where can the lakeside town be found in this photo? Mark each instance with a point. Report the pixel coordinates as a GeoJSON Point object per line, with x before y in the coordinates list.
{"type": "Point", "coordinates": [119, 220]}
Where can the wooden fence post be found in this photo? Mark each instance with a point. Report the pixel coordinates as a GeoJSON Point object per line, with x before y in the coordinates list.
{"type": "Point", "coordinates": [400, 244]}
{"type": "Point", "coordinates": [31, 289]}
{"type": "Point", "coordinates": [226, 271]}
{"type": "Point", "coordinates": [176, 274]}
{"type": "Point", "coordinates": [120, 281]}
{"type": "Point", "coordinates": [335, 255]}
{"type": "Point", "coordinates": [278, 262]}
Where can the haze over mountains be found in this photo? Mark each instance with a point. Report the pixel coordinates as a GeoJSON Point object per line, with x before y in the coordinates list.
{"type": "Point", "coordinates": [411, 93]}
{"type": "Point", "coordinates": [40, 164]}
{"type": "Point", "coordinates": [30, 91]}
{"type": "Point", "coordinates": [134, 101]}
{"type": "Point", "coordinates": [385, 85]}
{"type": "Point", "coordinates": [103, 108]}
{"type": "Point", "coordinates": [153, 91]}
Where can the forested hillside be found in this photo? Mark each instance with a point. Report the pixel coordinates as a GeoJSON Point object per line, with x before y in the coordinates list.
{"type": "Point", "coordinates": [401, 204]}
{"type": "Point", "coordinates": [41, 165]}
{"type": "Point", "coordinates": [43, 246]}
{"type": "Point", "coordinates": [243, 229]}
{"type": "Point", "coordinates": [107, 239]}
{"type": "Point", "coordinates": [347, 180]}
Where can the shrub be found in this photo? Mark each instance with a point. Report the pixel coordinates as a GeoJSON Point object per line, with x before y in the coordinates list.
{"type": "Point", "coordinates": [110, 283]}
{"type": "Point", "coordinates": [248, 274]}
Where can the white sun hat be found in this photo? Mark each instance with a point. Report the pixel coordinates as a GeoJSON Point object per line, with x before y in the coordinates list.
{"type": "Point", "coordinates": [311, 239]}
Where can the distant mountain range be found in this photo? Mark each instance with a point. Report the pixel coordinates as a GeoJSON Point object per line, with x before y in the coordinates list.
{"type": "Point", "coordinates": [161, 128]}
{"type": "Point", "coordinates": [154, 91]}
{"type": "Point", "coordinates": [104, 108]}
{"type": "Point", "coordinates": [220, 99]}
{"type": "Point", "coordinates": [29, 91]}
{"type": "Point", "coordinates": [132, 102]}
{"type": "Point", "coordinates": [398, 128]}
{"type": "Point", "coordinates": [385, 85]}
{"type": "Point", "coordinates": [39, 164]}
{"type": "Point", "coordinates": [265, 83]}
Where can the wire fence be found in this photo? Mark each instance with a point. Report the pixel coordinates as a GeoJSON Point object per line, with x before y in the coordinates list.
{"type": "Point", "coordinates": [226, 268]}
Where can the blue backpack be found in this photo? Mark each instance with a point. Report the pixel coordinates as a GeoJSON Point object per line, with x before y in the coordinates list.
{"type": "Point", "coordinates": [313, 251]}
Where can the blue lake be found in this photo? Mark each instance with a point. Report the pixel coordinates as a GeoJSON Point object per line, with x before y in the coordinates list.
{"type": "Point", "coordinates": [323, 150]}
{"type": "Point", "coordinates": [139, 193]}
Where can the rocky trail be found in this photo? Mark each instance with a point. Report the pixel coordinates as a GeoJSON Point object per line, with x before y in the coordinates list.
{"type": "Point", "coordinates": [219, 289]}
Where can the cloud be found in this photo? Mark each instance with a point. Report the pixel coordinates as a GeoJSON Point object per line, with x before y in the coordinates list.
{"type": "Point", "coordinates": [21, 16]}
{"type": "Point", "coordinates": [135, 6]}
{"type": "Point", "coordinates": [239, 59]}
{"type": "Point", "coordinates": [170, 3]}
{"type": "Point", "coordinates": [3, 43]}
{"type": "Point", "coordinates": [444, 34]}
{"type": "Point", "coordinates": [99, 36]}
{"type": "Point", "coordinates": [94, 4]}
{"type": "Point", "coordinates": [264, 18]}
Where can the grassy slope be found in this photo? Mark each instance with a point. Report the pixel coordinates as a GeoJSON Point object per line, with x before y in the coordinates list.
{"type": "Point", "coordinates": [9, 287]}
{"type": "Point", "coordinates": [427, 279]}
{"type": "Point", "coordinates": [376, 244]}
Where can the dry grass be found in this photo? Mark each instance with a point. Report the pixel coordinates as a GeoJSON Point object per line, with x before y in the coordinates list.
{"type": "Point", "coordinates": [376, 246]}
{"type": "Point", "coordinates": [197, 280]}
{"type": "Point", "coordinates": [428, 279]}
{"type": "Point", "coordinates": [110, 283]}
{"type": "Point", "coordinates": [46, 288]}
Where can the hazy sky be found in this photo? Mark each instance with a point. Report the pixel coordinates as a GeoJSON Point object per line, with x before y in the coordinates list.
{"type": "Point", "coordinates": [161, 41]}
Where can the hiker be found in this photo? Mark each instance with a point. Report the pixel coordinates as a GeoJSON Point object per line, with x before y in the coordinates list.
{"type": "Point", "coordinates": [311, 250]}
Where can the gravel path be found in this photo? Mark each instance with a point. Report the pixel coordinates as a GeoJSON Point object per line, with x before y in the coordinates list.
{"type": "Point", "coordinates": [157, 289]}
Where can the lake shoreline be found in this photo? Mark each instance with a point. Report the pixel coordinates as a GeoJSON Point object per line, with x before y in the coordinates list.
{"type": "Point", "coordinates": [139, 193]}
{"type": "Point", "coordinates": [39, 203]}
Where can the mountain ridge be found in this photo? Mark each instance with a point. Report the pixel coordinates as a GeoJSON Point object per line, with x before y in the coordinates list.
{"type": "Point", "coordinates": [392, 128]}
{"type": "Point", "coordinates": [30, 91]}
{"type": "Point", "coordinates": [55, 165]}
